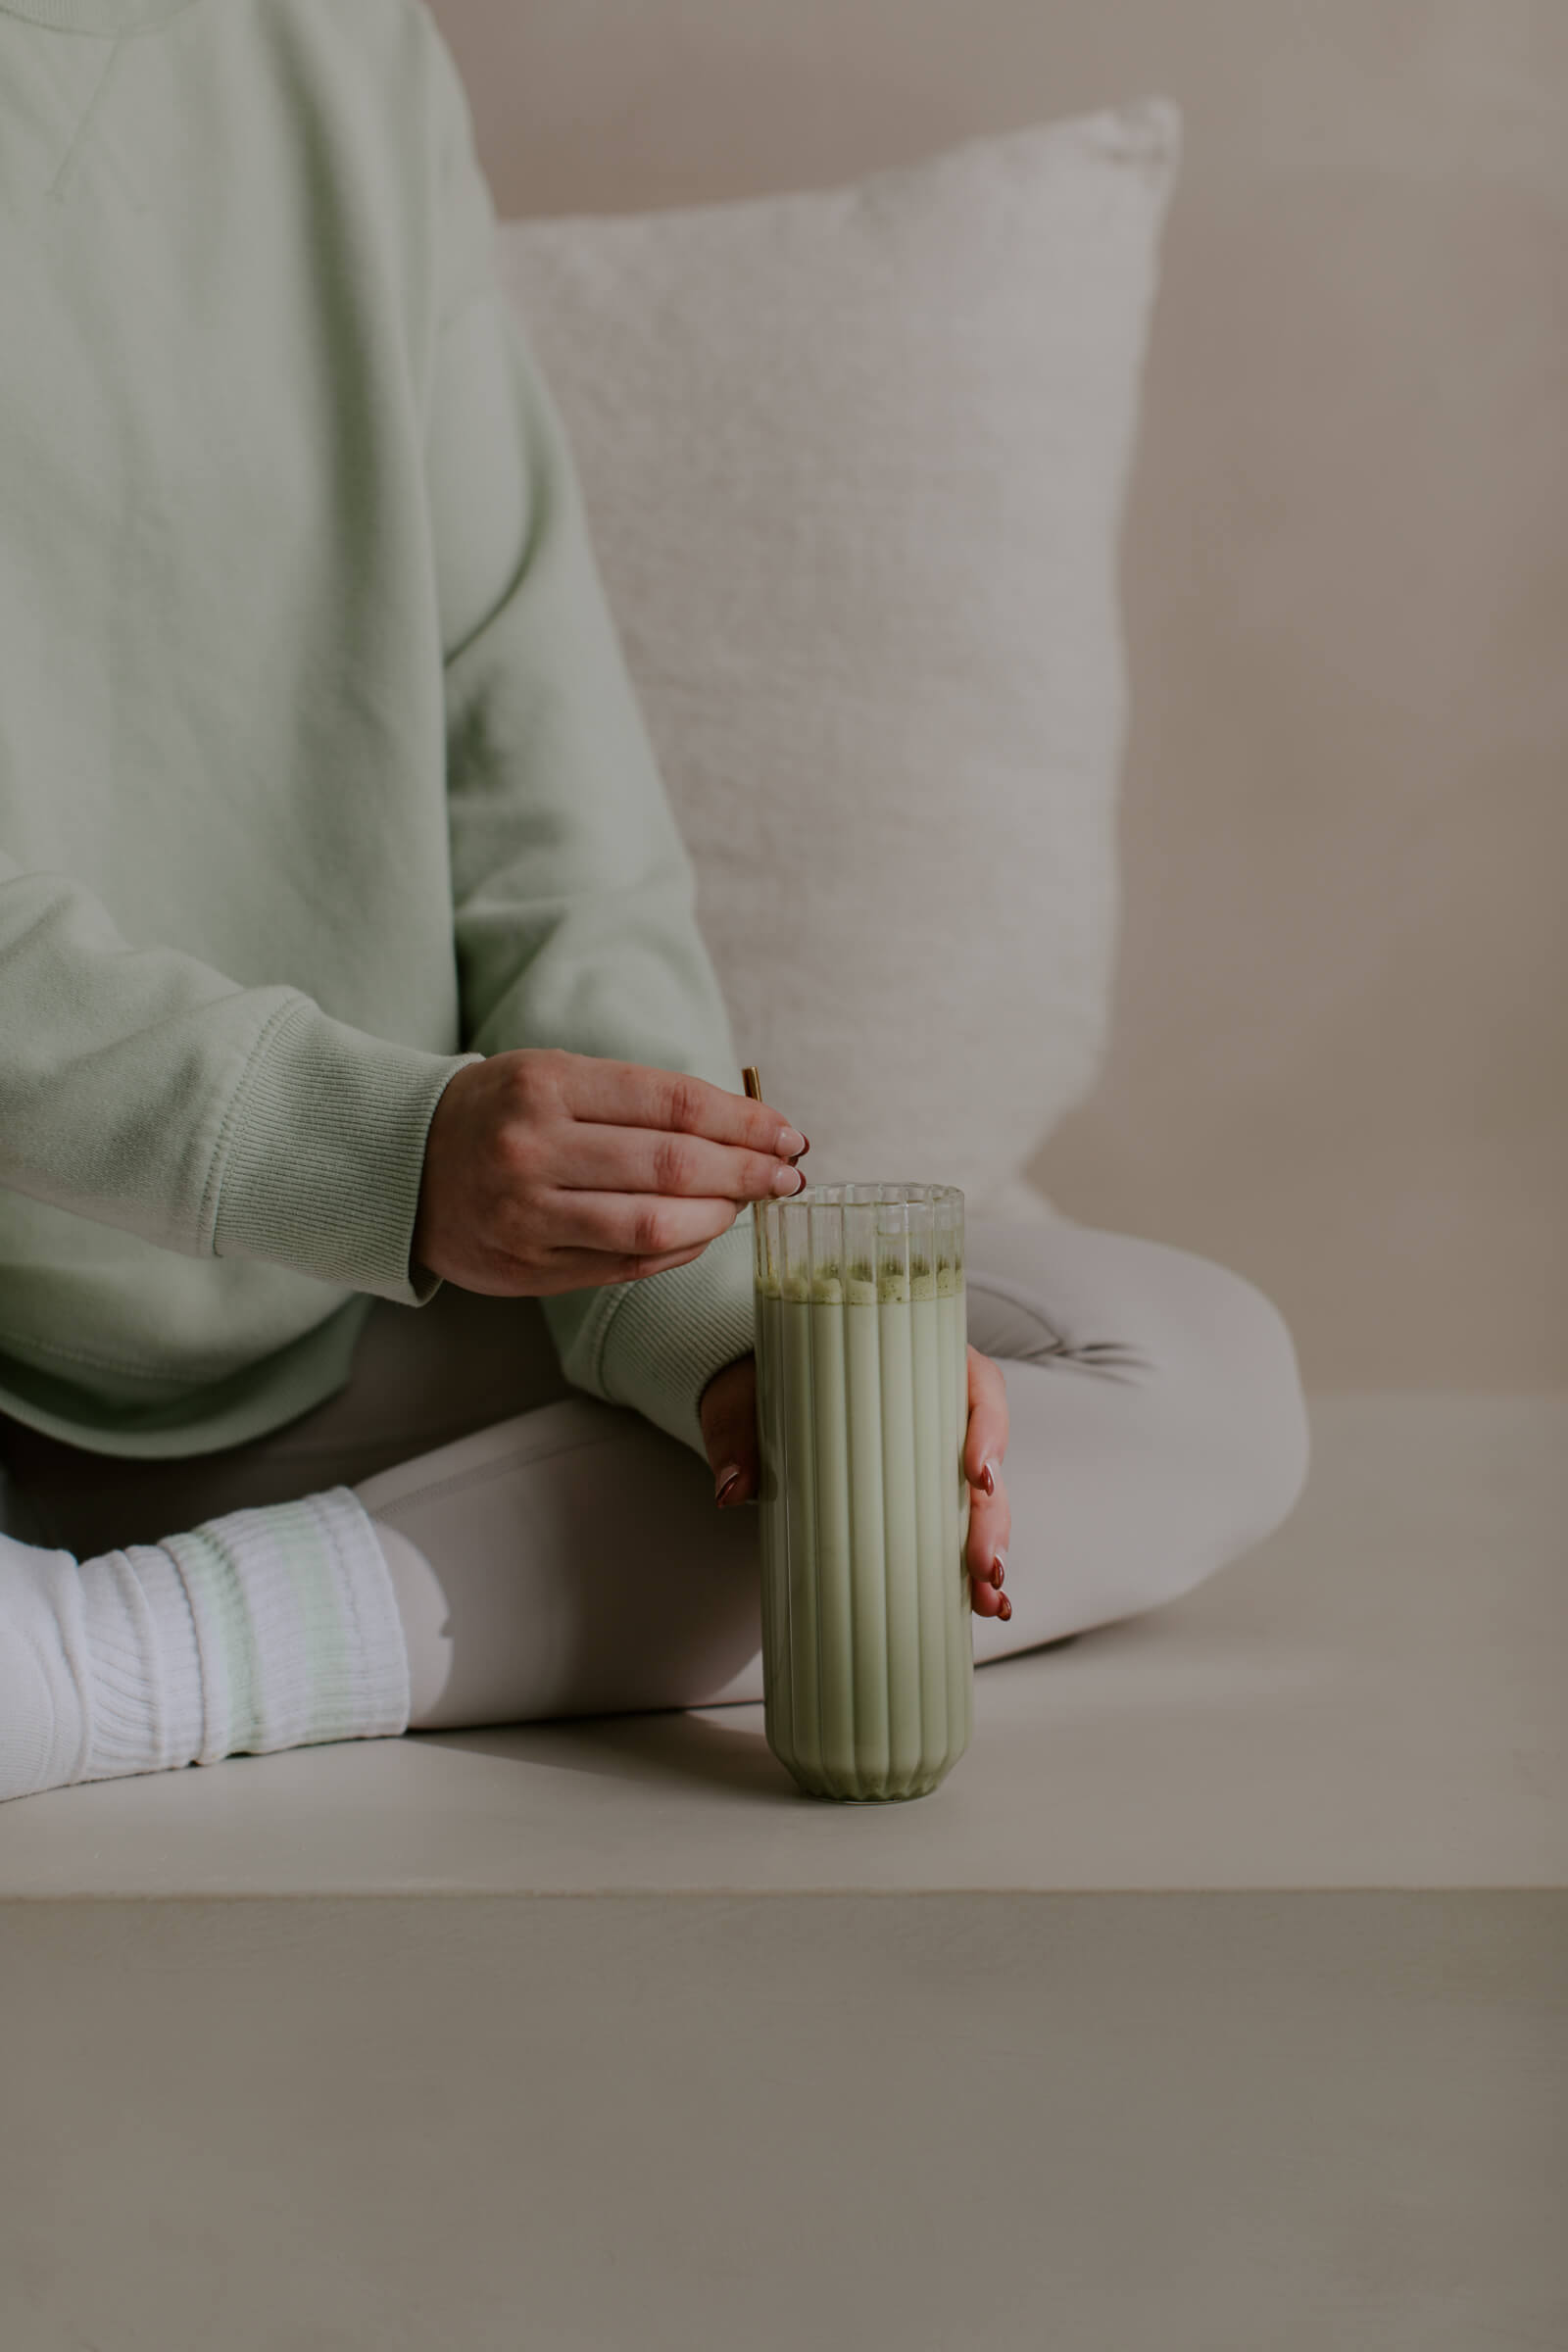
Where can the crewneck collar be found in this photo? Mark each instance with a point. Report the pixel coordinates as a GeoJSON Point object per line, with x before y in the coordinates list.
{"type": "Point", "coordinates": [96, 15]}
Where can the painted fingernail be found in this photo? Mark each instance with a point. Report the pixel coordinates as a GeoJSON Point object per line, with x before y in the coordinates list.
{"type": "Point", "coordinates": [998, 1568]}
{"type": "Point", "coordinates": [790, 1180]}
{"type": "Point", "coordinates": [728, 1477]}
{"type": "Point", "coordinates": [791, 1143]}
{"type": "Point", "coordinates": [1004, 1608]}
{"type": "Point", "coordinates": [988, 1477]}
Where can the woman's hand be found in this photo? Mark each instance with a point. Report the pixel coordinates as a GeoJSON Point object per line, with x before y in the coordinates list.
{"type": "Point", "coordinates": [989, 1513]}
{"type": "Point", "coordinates": [728, 1415]}
{"type": "Point", "coordinates": [547, 1171]}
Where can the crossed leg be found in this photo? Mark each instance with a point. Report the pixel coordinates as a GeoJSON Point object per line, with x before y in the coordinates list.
{"type": "Point", "coordinates": [571, 1561]}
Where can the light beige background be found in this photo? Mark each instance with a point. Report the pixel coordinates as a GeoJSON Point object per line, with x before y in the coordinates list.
{"type": "Point", "coordinates": [1340, 1038]}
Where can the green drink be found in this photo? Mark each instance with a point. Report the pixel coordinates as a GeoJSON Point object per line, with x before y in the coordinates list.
{"type": "Point", "coordinates": [862, 1401]}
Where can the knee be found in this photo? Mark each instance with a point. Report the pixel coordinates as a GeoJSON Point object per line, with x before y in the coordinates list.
{"type": "Point", "coordinates": [1243, 1388]}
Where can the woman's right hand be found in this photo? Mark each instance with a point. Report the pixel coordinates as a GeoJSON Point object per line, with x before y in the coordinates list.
{"type": "Point", "coordinates": [548, 1171]}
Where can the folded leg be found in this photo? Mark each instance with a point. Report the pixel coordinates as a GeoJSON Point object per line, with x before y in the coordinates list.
{"type": "Point", "coordinates": [570, 1560]}
{"type": "Point", "coordinates": [1158, 1429]}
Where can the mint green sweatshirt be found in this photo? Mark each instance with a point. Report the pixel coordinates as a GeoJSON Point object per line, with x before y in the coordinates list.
{"type": "Point", "coordinates": [319, 766]}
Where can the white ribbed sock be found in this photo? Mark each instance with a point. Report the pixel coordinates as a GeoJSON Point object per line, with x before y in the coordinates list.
{"type": "Point", "coordinates": [263, 1628]}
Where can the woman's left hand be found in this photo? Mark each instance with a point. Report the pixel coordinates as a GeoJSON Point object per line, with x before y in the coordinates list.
{"type": "Point", "coordinates": [728, 1415]}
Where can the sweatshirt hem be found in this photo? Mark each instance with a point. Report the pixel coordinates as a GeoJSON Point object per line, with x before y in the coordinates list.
{"type": "Point", "coordinates": [208, 1418]}
{"type": "Point", "coordinates": [102, 20]}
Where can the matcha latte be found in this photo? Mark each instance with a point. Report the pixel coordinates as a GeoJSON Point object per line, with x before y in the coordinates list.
{"type": "Point", "coordinates": [863, 1401]}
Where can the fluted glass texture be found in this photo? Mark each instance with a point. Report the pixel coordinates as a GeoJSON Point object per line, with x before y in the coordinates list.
{"type": "Point", "coordinates": [862, 1395]}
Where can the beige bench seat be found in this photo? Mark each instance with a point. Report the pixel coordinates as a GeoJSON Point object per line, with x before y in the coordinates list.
{"type": "Point", "coordinates": [1213, 2001]}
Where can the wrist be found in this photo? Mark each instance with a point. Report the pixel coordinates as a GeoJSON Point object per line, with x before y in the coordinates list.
{"type": "Point", "coordinates": [658, 1346]}
{"type": "Point", "coordinates": [720, 1370]}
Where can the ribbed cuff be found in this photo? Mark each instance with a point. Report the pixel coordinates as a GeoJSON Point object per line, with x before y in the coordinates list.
{"type": "Point", "coordinates": [45, 1735]}
{"type": "Point", "coordinates": [657, 1343]}
{"type": "Point", "coordinates": [297, 1627]}
{"type": "Point", "coordinates": [325, 1152]}
{"type": "Point", "coordinates": [142, 1679]}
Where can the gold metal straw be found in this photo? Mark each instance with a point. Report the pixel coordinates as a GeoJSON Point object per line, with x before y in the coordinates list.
{"type": "Point", "coordinates": [752, 1083]}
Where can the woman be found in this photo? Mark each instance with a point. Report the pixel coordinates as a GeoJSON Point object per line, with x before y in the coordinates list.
{"type": "Point", "coordinates": [348, 965]}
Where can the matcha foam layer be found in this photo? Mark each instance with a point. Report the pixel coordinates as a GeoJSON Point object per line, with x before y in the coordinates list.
{"type": "Point", "coordinates": [863, 1286]}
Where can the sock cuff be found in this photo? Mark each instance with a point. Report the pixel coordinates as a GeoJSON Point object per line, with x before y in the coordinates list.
{"type": "Point", "coordinates": [297, 1627]}
{"type": "Point", "coordinates": [137, 1668]}
{"type": "Point", "coordinates": [45, 1735]}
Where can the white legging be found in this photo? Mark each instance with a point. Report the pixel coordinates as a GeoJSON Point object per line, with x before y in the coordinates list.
{"type": "Point", "coordinates": [567, 1558]}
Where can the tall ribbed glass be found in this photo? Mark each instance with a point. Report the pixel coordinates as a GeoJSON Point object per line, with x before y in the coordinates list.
{"type": "Point", "coordinates": [863, 1401]}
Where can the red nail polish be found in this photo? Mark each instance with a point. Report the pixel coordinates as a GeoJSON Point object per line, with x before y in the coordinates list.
{"type": "Point", "coordinates": [1005, 1610]}
{"type": "Point", "coordinates": [733, 1480]}
{"type": "Point", "coordinates": [996, 1571]}
{"type": "Point", "coordinates": [987, 1478]}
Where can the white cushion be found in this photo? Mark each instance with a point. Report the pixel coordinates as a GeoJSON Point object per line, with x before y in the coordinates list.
{"type": "Point", "coordinates": [855, 462]}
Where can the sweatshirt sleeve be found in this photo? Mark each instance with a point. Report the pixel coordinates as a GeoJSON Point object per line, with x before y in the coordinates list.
{"type": "Point", "coordinates": [140, 1088]}
{"type": "Point", "coordinates": [573, 895]}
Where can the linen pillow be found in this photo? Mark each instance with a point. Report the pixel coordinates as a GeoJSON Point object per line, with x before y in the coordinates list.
{"type": "Point", "coordinates": [855, 464]}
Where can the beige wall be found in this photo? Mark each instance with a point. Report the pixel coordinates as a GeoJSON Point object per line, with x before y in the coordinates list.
{"type": "Point", "coordinates": [1341, 1043]}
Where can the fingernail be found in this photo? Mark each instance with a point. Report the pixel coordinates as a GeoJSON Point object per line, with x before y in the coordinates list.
{"type": "Point", "coordinates": [1005, 1612]}
{"type": "Point", "coordinates": [988, 1477]}
{"type": "Point", "coordinates": [728, 1477]}
{"type": "Point", "coordinates": [998, 1568]}
{"type": "Point", "coordinates": [789, 1181]}
{"type": "Point", "coordinates": [791, 1143]}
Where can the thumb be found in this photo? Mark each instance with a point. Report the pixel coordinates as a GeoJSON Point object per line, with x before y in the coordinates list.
{"type": "Point", "coordinates": [730, 1431]}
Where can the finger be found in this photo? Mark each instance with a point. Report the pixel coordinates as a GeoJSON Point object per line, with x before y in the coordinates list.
{"type": "Point", "coordinates": [624, 1094]}
{"type": "Point", "coordinates": [990, 1531]}
{"type": "Point", "coordinates": [588, 1269]}
{"type": "Point", "coordinates": [732, 1450]}
{"type": "Point", "coordinates": [647, 1159]}
{"type": "Point", "coordinates": [987, 1439]}
{"type": "Point", "coordinates": [985, 1601]}
{"type": "Point", "coordinates": [632, 1224]}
